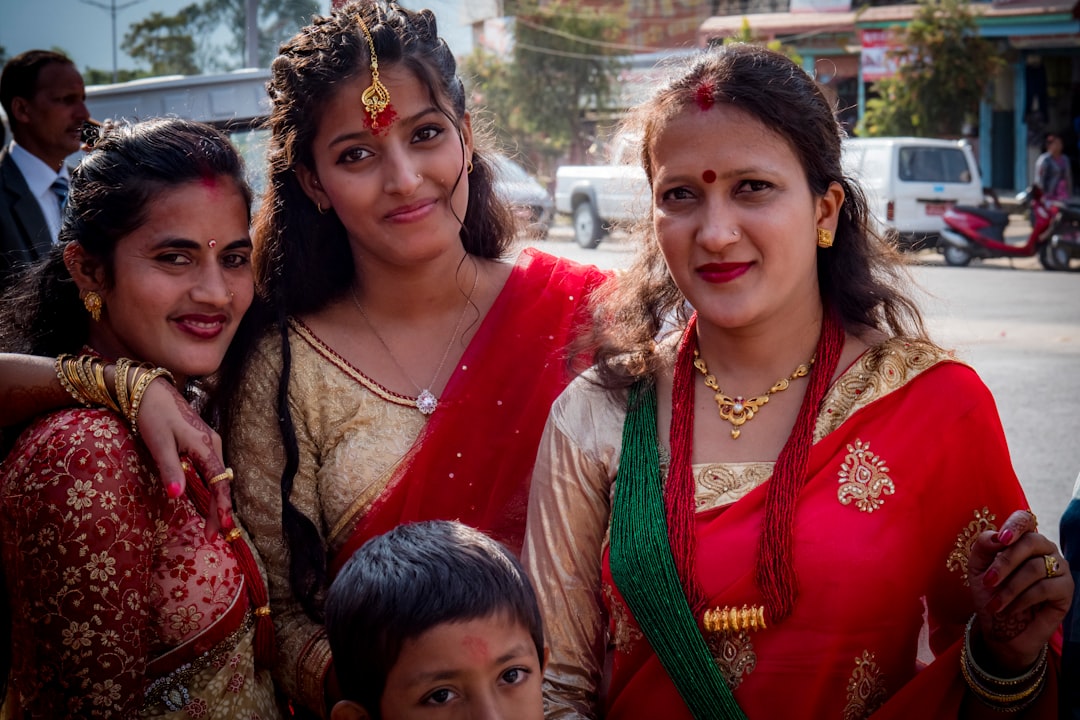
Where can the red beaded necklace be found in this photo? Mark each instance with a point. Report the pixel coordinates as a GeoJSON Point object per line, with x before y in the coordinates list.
{"type": "Point", "coordinates": [776, 573]}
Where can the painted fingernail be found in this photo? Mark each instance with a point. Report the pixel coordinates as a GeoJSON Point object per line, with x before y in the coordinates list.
{"type": "Point", "coordinates": [990, 579]}
{"type": "Point", "coordinates": [174, 489]}
{"type": "Point", "coordinates": [1005, 536]}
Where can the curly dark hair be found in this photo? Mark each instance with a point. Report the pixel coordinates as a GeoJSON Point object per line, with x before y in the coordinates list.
{"type": "Point", "coordinates": [861, 275]}
{"type": "Point", "coordinates": [303, 259]}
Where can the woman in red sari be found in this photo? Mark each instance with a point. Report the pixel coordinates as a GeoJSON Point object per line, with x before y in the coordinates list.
{"type": "Point", "coordinates": [410, 367]}
{"type": "Point", "coordinates": [773, 555]}
{"type": "Point", "coordinates": [401, 365]}
{"type": "Point", "coordinates": [120, 602]}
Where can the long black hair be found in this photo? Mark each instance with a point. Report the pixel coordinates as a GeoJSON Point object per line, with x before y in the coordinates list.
{"type": "Point", "coordinates": [861, 275]}
{"type": "Point", "coordinates": [111, 192]}
{"type": "Point", "coordinates": [303, 260]}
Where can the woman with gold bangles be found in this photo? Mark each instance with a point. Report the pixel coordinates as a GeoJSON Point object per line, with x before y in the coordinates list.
{"type": "Point", "coordinates": [121, 601]}
{"type": "Point", "coordinates": [771, 555]}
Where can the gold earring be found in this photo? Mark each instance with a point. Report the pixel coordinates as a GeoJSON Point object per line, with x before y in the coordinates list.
{"type": "Point", "coordinates": [318, 206]}
{"type": "Point", "coordinates": [469, 168]}
{"type": "Point", "coordinates": [824, 238]}
{"type": "Point", "coordinates": [93, 304]}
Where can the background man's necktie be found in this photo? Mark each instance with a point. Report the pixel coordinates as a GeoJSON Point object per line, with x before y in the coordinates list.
{"type": "Point", "coordinates": [60, 187]}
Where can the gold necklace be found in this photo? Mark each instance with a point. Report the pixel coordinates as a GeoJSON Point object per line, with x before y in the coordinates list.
{"type": "Point", "coordinates": [739, 410]}
{"type": "Point", "coordinates": [426, 402]}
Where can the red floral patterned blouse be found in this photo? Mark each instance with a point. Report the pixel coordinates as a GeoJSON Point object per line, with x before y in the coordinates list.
{"type": "Point", "coordinates": [104, 571]}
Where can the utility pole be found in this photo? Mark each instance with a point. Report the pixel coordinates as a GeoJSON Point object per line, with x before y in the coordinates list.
{"type": "Point", "coordinates": [251, 35]}
{"type": "Point", "coordinates": [113, 9]}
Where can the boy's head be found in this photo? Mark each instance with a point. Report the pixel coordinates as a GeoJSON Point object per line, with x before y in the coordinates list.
{"type": "Point", "coordinates": [434, 614]}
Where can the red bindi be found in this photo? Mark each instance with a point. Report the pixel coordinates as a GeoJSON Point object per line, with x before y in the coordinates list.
{"type": "Point", "coordinates": [709, 176]}
{"type": "Point", "coordinates": [382, 121]}
{"type": "Point", "coordinates": [703, 96]}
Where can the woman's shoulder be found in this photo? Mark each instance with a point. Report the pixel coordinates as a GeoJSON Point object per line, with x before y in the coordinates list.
{"type": "Point", "coordinates": [84, 449]}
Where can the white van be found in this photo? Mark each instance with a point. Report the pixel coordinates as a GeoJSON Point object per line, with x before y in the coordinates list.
{"type": "Point", "coordinates": [909, 182]}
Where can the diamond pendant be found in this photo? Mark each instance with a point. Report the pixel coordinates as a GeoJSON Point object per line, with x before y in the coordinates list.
{"type": "Point", "coordinates": [426, 402]}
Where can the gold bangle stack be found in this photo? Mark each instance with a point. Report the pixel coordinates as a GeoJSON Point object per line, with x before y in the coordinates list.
{"type": "Point", "coordinates": [138, 389]}
{"type": "Point", "coordinates": [1002, 694]}
{"type": "Point", "coordinates": [83, 377]}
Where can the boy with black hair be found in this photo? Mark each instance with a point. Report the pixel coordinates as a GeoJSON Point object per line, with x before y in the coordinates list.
{"type": "Point", "coordinates": [435, 619]}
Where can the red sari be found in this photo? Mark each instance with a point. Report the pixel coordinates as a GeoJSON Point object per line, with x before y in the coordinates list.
{"type": "Point", "coordinates": [909, 464]}
{"type": "Point", "coordinates": [473, 460]}
{"type": "Point", "coordinates": [120, 605]}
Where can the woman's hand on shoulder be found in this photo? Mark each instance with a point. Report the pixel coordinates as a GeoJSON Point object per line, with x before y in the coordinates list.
{"type": "Point", "coordinates": [1022, 589]}
{"type": "Point", "coordinates": [170, 427]}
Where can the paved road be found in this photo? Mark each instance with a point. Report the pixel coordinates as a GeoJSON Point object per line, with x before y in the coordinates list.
{"type": "Point", "coordinates": [1018, 326]}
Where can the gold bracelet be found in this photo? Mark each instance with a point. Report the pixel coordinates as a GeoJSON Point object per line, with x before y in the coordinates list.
{"type": "Point", "coordinates": [61, 375]}
{"type": "Point", "coordinates": [103, 389]}
{"type": "Point", "coordinates": [996, 700]}
{"type": "Point", "coordinates": [123, 367]}
{"type": "Point", "coordinates": [139, 390]}
{"type": "Point", "coordinates": [993, 680]}
{"type": "Point", "coordinates": [84, 379]}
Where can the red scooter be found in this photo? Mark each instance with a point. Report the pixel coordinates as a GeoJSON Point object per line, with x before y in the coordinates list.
{"type": "Point", "coordinates": [974, 232]}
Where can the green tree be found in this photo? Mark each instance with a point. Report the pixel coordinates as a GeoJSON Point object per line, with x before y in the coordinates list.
{"type": "Point", "coordinates": [187, 43]}
{"type": "Point", "coordinates": [98, 76]}
{"type": "Point", "coordinates": [944, 71]}
{"type": "Point", "coordinates": [164, 42]}
{"type": "Point", "coordinates": [565, 60]}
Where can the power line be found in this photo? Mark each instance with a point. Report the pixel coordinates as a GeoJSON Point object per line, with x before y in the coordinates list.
{"type": "Point", "coordinates": [587, 41]}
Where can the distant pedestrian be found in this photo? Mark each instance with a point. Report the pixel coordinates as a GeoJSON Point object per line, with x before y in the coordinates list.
{"type": "Point", "coordinates": [1053, 173]}
{"type": "Point", "coordinates": [44, 98]}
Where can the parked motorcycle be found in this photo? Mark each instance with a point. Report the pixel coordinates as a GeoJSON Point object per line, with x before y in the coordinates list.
{"type": "Point", "coordinates": [1065, 237]}
{"type": "Point", "coordinates": [974, 232]}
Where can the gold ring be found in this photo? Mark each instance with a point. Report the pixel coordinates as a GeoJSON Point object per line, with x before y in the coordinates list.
{"type": "Point", "coordinates": [225, 476]}
{"type": "Point", "coordinates": [1052, 566]}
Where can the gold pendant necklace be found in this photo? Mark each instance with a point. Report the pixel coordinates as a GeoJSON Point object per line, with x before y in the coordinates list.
{"type": "Point", "coordinates": [425, 402]}
{"type": "Point", "coordinates": [739, 410]}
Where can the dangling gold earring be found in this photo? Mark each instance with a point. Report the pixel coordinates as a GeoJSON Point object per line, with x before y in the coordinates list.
{"type": "Point", "coordinates": [824, 238]}
{"type": "Point", "coordinates": [93, 304]}
{"type": "Point", "coordinates": [469, 168]}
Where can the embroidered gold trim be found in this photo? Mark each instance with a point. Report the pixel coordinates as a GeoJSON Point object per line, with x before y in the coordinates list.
{"type": "Point", "coordinates": [734, 655]}
{"type": "Point", "coordinates": [342, 364]}
{"type": "Point", "coordinates": [864, 478]}
{"type": "Point", "coordinates": [878, 372]}
{"type": "Point", "coordinates": [958, 558]}
{"type": "Point", "coordinates": [172, 690]}
{"type": "Point", "coordinates": [866, 691]}
{"type": "Point", "coordinates": [624, 632]}
{"type": "Point", "coordinates": [312, 666]}
{"type": "Point", "coordinates": [720, 484]}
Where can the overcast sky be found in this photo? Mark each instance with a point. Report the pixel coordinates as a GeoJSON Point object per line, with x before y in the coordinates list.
{"type": "Point", "coordinates": [84, 31]}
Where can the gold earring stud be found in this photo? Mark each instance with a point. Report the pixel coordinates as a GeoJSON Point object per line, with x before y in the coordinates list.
{"type": "Point", "coordinates": [824, 238]}
{"type": "Point", "coordinates": [93, 304]}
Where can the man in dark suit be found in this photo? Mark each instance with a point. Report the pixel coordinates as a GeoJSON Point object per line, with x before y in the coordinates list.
{"type": "Point", "coordinates": [43, 96]}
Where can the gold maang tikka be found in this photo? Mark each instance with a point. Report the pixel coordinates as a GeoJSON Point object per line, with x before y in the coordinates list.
{"type": "Point", "coordinates": [376, 98]}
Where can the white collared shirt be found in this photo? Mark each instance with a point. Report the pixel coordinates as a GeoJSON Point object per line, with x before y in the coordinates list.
{"type": "Point", "coordinates": [39, 178]}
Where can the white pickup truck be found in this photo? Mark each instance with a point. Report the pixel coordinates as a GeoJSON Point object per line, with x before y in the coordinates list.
{"type": "Point", "coordinates": [597, 196]}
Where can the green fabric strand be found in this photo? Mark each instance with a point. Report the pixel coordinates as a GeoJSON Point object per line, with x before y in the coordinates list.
{"type": "Point", "coordinates": [644, 570]}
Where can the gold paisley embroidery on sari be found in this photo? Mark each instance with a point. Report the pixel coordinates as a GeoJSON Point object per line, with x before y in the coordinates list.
{"type": "Point", "coordinates": [734, 655]}
{"type": "Point", "coordinates": [864, 478]}
{"type": "Point", "coordinates": [624, 632]}
{"type": "Point", "coordinates": [866, 690]}
{"type": "Point", "coordinates": [958, 558]}
{"type": "Point", "coordinates": [878, 372]}
{"type": "Point", "coordinates": [721, 484]}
